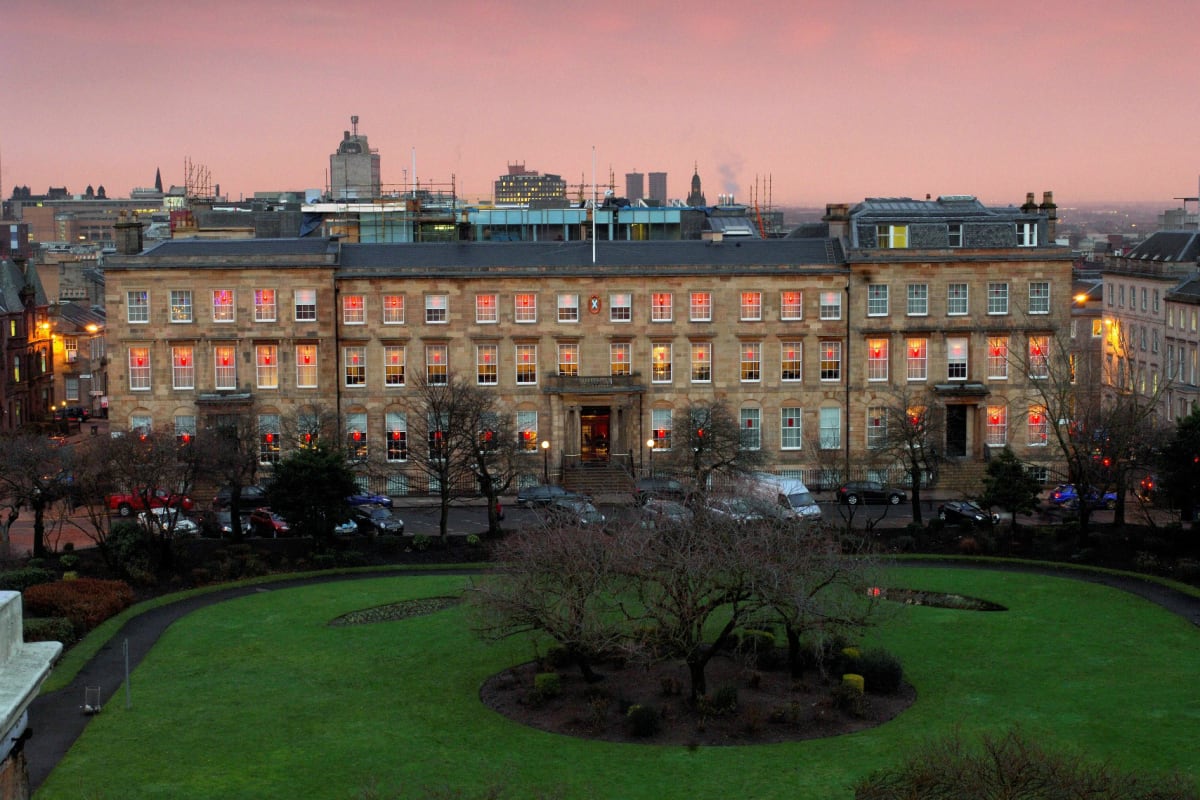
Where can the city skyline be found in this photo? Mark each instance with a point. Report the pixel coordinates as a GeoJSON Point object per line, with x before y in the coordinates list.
{"type": "Point", "coordinates": [1089, 100]}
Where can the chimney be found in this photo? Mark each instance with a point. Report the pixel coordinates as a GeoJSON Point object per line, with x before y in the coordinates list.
{"type": "Point", "coordinates": [1030, 206]}
{"type": "Point", "coordinates": [837, 217]}
{"type": "Point", "coordinates": [1051, 211]}
{"type": "Point", "coordinates": [128, 235]}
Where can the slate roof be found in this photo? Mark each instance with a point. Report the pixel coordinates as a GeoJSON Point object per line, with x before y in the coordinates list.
{"type": "Point", "coordinates": [947, 206]}
{"type": "Point", "coordinates": [1188, 291]}
{"type": "Point", "coordinates": [12, 280]}
{"type": "Point", "coordinates": [1168, 246]}
{"type": "Point", "coordinates": [237, 248]}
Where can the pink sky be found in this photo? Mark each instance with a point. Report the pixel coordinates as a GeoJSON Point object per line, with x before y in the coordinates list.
{"type": "Point", "coordinates": [1094, 100]}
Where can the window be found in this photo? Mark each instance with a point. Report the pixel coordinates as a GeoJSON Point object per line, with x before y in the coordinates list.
{"type": "Point", "coordinates": [266, 362]}
{"type": "Point", "coordinates": [438, 430]}
{"type": "Point", "coordinates": [830, 428]}
{"type": "Point", "coordinates": [918, 299]}
{"type": "Point", "coordinates": [877, 300]}
{"type": "Point", "coordinates": [1097, 328]}
{"type": "Point", "coordinates": [956, 299]}
{"type": "Point", "coordinates": [183, 368]}
{"type": "Point", "coordinates": [997, 365]}
{"type": "Point", "coordinates": [701, 362]}
{"type": "Point", "coordinates": [525, 307]}
{"type": "Point", "coordinates": [619, 358]}
{"type": "Point", "coordinates": [137, 306]}
{"type": "Point", "coordinates": [831, 360]}
{"type": "Point", "coordinates": [791, 361]}
{"type": "Point", "coordinates": [1039, 426]}
{"type": "Point", "coordinates": [660, 363]}
{"type": "Point", "coordinates": [181, 305]}
{"type": "Point", "coordinates": [185, 428]}
{"type": "Point", "coordinates": [1039, 356]}
{"type": "Point", "coordinates": [660, 307]}
{"type": "Point", "coordinates": [918, 359]}
{"type": "Point", "coordinates": [997, 426]}
{"type": "Point", "coordinates": [876, 427]}
{"type": "Point", "coordinates": [1143, 298]}
{"type": "Point", "coordinates": [395, 433]}
{"type": "Point", "coordinates": [877, 359]}
{"type": "Point", "coordinates": [526, 364]}
{"type": "Point", "coordinates": [894, 237]}
{"type": "Point", "coordinates": [306, 305]}
{"type": "Point", "coordinates": [1039, 297]}
{"type": "Point", "coordinates": [954, 234]}
{"type": "Point", "coordinates": [393, 309]}
{"type": "Point", "coordinates": [437, 309]}
{"type": "Point", "coordinates": [620, 307]}
{"type": "Point", "coordinates": [956, 359]}
{"type": "Point", "coordinates": [527, 431]}
{"type": "Point", "coordinates": [790, 431]}
{"type": "Point", "coordinates": [1156, 302]}
{"type": "Point", "coordinates": [437, 357]}
{"type": "Point", "coordinates": [1154, 340]}
{"type": "Point", "coordinates": [486, 358]}
{"type": "Point", "coordinates": [394, 362]}
{"type": "Point", "coordinates": [224, 367]}
{"type": "Point", "coordinates": [751, 427]}
{"type": "Point", "coordinates": [139, 368]}
{"type": "Point", "coordinates": [997, 298]}
{"type": "Point", "coordinates": [356, 435]}
{"type": "Point", "coordinates": [306, 366]}
{"type": "Point", "coordinates": [355, 364]}
{"type": "Point", "coordinates": [264, 305]}
{"type": "Point", "coordinates": [1121, 295]}
{"type": "Point", "coordinates": [751, 306]}
{"type": "Point", "coordinates": [71, 387]}
{"type": "Point", "coordinates": [751, 362]}
{"type": "Point", "coordinates": [487, 308]}
{"type": "Point", "coordinates": [1026, 234]}
{"type": "Point", "coordinates": [354, 311]}
{"type": "Point", "coordinates": [700, 307]}
{"type": "Point", "coordinates": [268, 438]}
{"type": "Point", "coordinates": [223, 310]}
{"type": "Point", "coordinates": [568, 359]}
{"type": "Point", "coordinates": [791, 305]}
{"type": "Point", "coordinates": [660, 425]}
{"type": "Point", "coordinates": [141, 423]}
{"type": "Point", "coordinates": [568, 308]}
{"type": "Point", "coordinates": [831, 305]}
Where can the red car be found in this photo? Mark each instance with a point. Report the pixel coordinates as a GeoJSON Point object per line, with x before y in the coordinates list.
{"type": "Point", "coordinates": [126, 504]}
{"type": "Point", "coordinates": [265, 522]}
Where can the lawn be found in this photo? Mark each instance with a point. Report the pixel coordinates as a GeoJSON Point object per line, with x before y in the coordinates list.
{"type": "Point", "coordinates": [260, 698]}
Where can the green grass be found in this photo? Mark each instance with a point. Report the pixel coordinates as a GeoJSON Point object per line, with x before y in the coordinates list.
{"type": "Point", "coordinates": [259, 698]}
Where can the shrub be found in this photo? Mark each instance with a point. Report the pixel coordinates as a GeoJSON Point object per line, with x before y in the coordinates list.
{"type": "Point", "coordinates": [881, 671]}
{"type": "Point", "coordinates": [130, 550]}
{"type": "Point", "coordinates": [547, 684]}
{"type": "Point", "coordinates": [18, 580]}
{"type": "Point", "coordinates": [68, 547]}
{"type": "Point", "coordinates": [848, 695]}
{"type": "Point", "coordinates": [49, 629]}
{"type": "Point", "coordinates": [86, 602]}
{"type": "Point", "coordinates": [557, 657]}
{"type": "Point", "coordinates": [643, 721]}
{"type": "Point", "coordinates": [68, 561]}
{"type": "Point", "coordinates": [722, 701]}
{"type": "Point", "coordinates": [324, 561]}
{"type": "Point", "coordinates": [474, 541]}
{"type": "Point", "coordinates": [421, 543]}
{"type": "Point", "coordinates": [351, 558]}
{"type": "Point", "coordinates": [854, 681]}
{"type": "Point", "coordinates": [758, 647]}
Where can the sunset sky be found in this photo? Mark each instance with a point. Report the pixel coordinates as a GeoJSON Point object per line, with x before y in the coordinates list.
{"type": "Point", "coordinates": [834, 102]}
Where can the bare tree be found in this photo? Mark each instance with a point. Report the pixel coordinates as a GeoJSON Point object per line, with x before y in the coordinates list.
{"type": "Point", "coordinates": [231, 447]}
{"type": "Point", "coordinates": [33, 474]}
{"type": "Point", "coordinates": [903, 429]}
{"type": "Point", "coordinates": [711, 444]}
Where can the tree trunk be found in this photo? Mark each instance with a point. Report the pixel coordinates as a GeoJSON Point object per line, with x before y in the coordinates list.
{"type": "Point", "coordinates": [39, 529]}
{"type": "Point", "coordinates": [795, 664]}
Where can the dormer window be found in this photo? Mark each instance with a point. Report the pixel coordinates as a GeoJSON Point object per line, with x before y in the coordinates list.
{"type": "Point", "coordinates": [892, 237]}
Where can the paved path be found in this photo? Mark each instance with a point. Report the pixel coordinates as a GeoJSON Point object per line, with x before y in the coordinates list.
{"type": "Point", "coordinates": [58, 720]}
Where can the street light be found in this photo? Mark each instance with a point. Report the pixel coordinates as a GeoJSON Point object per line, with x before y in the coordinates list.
{"type": "Point", "coordinates": [546, 461]}
{"type": "Point", "coordinates": [650, 446]}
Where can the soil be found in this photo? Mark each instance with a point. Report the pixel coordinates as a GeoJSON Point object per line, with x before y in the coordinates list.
{"type": "Point", "coordinates": [771, 706]}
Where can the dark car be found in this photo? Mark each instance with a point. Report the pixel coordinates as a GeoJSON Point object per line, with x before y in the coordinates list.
{"type": "Point", "coordinates": [668, 488]}
{"type": "Point", "coordinates": [367, 498]}
{"type": "Point", "coordinates": [265, 522]}
{"type": "Point", "coordinates": [251, 496]}
{"type": "Point", "coordinates": [72, 414]}
{"type": "Point", "coordinates": [747, 510]}
{"type": "Point", "coordinates": [542, 494]}
{"type": "Point", "coordinates": [575, 511]}
{"type": "Point", "coordinates": [655, 513]}
{"type": "Point", "coordinates": [964, 512]}
{"type": "Point", "coordinates": [1069, 497]}
{"type": "Point", "coordinates": [373, 518]}
{"type": "Point", "coordinates": [219, 523]}
{"type": "Point", "coordinates": [856, 492]}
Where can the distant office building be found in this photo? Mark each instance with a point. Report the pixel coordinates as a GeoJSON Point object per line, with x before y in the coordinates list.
{"type": "Point", "coordinates": [522, 187]}
{"type": "Point", "coordinates": [658, 189]}
{"type": "Point", "coordinates": [635, 186]}
{"type": "Point", "coordinates": [354, 168]}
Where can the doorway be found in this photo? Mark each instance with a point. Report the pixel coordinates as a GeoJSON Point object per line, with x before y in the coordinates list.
{"type": "Point", "coordinates": [956, 431]}
{"type": "Point", "coordinates": [594, 433]}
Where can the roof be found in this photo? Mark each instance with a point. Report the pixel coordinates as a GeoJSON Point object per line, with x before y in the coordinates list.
{"type": "Point", "coordinates": [1168, 246]}
{"type": "Point", "coordinates": [953, 206]}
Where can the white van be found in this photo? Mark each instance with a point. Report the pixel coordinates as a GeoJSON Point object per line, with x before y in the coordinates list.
{"type": "Point", "coordinates": [790, 493]}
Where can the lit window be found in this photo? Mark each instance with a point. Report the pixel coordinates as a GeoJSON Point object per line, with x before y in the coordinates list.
{"type": "Point", "coordinates": [486, 308]}
{"type": "Point", "coordinates": [751, 306]}
{"type": "Point", "coordinates": [568, 359]}
{"type": "Point", "coordinates": [831, 360]}
{"type": "Point", "coordinates": [437, 309]}
{"type": "Point", "coordinates": [437, 368]}
{"type": "Point", "coordinates": [355, 359]}
{"type": "Point", "coordinates": [750, 425]}
{"type": "Point", "coordinates": [877, 359]}
{"type": "Point", "coordinates": [264, 305]}
{"type": "Point", "coordinates": [791, 361]}
{"type": "Point", "coordinates": [700, 307]}
{"type": "Point", "coordinates": [956, 299]}
{"type": "Point", "coordinates": [224, 367]}
{"type": "Point", "coordinates": [139, 368]}
{"type": "Point", "coordinates": [791, 305]}
{"type": "Point", "coordinates": [356, 435]}
{"type": "Point", "coordinates": [956, 359]}
{"type": "Point", "coordinates": [660, 307]}
{"type": "Point", "coordinates": [1039, 366]}
{"type": "Point", "coordinates": [306, 305]}
{"type": "Point", "coordinates": [393, 309]}
{"type": "Point", "coordinates": [619, 358]}
{"type": "Point", "coordinates": [1097, 328]}
{"type": "Point", "coordinates": [486, 369]}
{"type": "Point", "coordinates": [527, 431]}
{"type": "Point", "coordinates": [620, 307]}
{"type": "Point", "coordinates": [394, 362]}
{"type": "Point", "coordinates": [997, 426]}
{"type": "Point", "coordinates": [266, 361]}
{"type": "Point", "coordinates": [1039, 426]}
{"type": "Point", "coordinates": [185, 428]}
{"type": "Point", "coordinates": [181, 305]}
{"type": "Point", "coordinates": [137, 306]}
{"type": "Point", "coordinates": [917, 352]}
{"type": "Point", "coordinates": [997, 298]}
{"type": "Point", "coordinates": [525, 307]}
{"type": "Point", "coordinates": [831, 305]}
{"type": "Point", "coordinates": [183, 368]}
{"type": "Point", "coordinates": [751, 362]}
{"type": "Point", "coordinates": [877, 300]}
{"type": "Point", "coordinates": [268, 438]}
{"type": "Point", "coordinates": [894, 237]}
{"type": "Point", "coordinates": [701, 362]}
{"type": "Point", "coordinates": [1039, 297]}
{"type": "Point", "coordinates": [660, 425]}
{"type": "Point", "coordinates": [660, 363]}
{"type": "Point", "coordinates": [526, 364]}
{"type": "Point", "coordinates": [918, 299]}
{"type": "Point", "coordinates": [223, 305]}
{"type": "Point", "coordinates": [877, 428]}
{"type": "Point", "coordinates": [997, 357]}
{"type": "Point", "coordinates": [790, 432]}
{"type": "Point", "coordinates": [306, 366]}
{"type": "Point", "coordinates": [395, 432]}
{"type": "Point", "coordinates": [568, 308]}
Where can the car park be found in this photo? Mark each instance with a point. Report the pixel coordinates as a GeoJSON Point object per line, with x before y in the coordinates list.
{"type": "Point", "coordinates": [219, 523]}
{"type": "Point", "coordinates": [747, 510]}
{"type": "Point", "coordinates": [646, 488]}
{"type": "Point", "coordinates": [169, 521]}
{"type": "Point", "coordinates": [543, 494]}
{"type": "Point", "coordinates": [856, 492]}
{"type": "Point", "coordinates": [1067, 496]}
{"type": "Point", "coordinates": [251, 496]}
{"type": "Point", "coordinates": [265, 522]}
{"type": "Point", "coordinates": [367, 498]}
{"type": "Point", "coordinates": [656, 513]}
{"type": "Point", "coordinates": [373, 518]}
{"type": "Point", "coordinates": [965, 512]}
{"type": "Point", "coordinates": [126, 503]}
{"type": "Point", "coordinates": [572, 511]}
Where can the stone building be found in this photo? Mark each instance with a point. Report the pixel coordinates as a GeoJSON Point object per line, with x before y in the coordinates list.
{"type": "Point", "coordinates": [597, 346]}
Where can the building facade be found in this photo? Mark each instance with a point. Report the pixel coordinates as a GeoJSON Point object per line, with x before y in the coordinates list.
{"type": "Point", "coordinates": [354, 169]}
{"type": "Point", "coordinates": [597, 347]}
{"type": "Point", "coordinates": [522, 186]}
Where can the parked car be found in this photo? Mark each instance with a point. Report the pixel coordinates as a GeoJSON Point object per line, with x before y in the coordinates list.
{"type": "Point", "coordinates": [251, 496]}
{"type": "Point", "coordinates": [964, 512]}
{"type": "Point", "coordinates": [347, 528]}
{"type": "Point", "coordinates": [1067, 496]}
{"type": "Point", "coordinates": [1148, 488]}
{"type": "Point", "coordinates": [366, 498]}
{"type": "Point", "coordinates": [746, 510]}
{"type": "Point", "coordinates": [169, 521]}
{"type": "Point", "coordinates": [543, 493]}
{"type": "Point", "coordinates": [127, 503]}
{"type": "Point", "coordinates": [788, 493]}
{"type": "Point", "coordinates": [265, 522]}
{"type": "Point", "coordinates": [656, 513]}
{"type": "Point", "coordinates": [219, 524]}
{"type": "Point", "coordinates": [856, 492]}
{"type": "Point", "coordinates": [646, 488]}
{"type": "Point", "coordinates": [373, 518]}
{"type": "Point", "coordinates": [572, 511]}
{"type": "Point", "coordinates": [72, 414]}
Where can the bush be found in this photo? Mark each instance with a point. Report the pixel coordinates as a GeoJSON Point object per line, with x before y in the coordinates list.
{"type": "Point", "coordinates": [324, 561]}
{"type": "Point", "coordinates": [852, 681]}
{"type": "Point", "coordinates": [69, 561]}
{"type": "Point", "coordinates": [130, 550]}
{"type": "Point", "coordinates": [643, 721]}
{"type": "Point", "coordinates": [848, 695]}
{"type": "Point", "coordinates": [49, 629]}
{"type": "Point", "coordinates": [18, 580]}
{"type": "Point", "coordinates": [547, 685]}
{"type": "Point", "coordinates": [557, 657]}
{"type": "Point", "coordinates": [881, 671]}
{"type": "Point", "coordinates": [722, 701]}
{"type": "Point", "coordinates": [474, 541]}
{"type": "Point", "coordinates": [758, 647]}
{"type": "Point", "coordinates": [86, 602]}
{"type": "Point", "coordinates": [421, 543]}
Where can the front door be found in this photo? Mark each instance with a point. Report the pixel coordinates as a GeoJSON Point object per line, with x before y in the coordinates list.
{"type": "Point", "coordinates": [956, 431]}
{"type": "Point", "coordinates": [594, 433]}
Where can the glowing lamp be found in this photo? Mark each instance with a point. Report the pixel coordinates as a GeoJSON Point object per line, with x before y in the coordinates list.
{"type": "Point", "coordinates": [357, 435]}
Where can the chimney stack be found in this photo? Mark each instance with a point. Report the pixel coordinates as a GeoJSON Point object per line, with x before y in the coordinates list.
{"type": "Point", "coordinates": [1051, 211]}
{"type": "Point", "coordinates": [128, 234]}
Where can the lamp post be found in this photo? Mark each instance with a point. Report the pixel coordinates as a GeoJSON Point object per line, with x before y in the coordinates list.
{"type": "Point", "coordinates": [546, 461]}
{"type": "Point", "coordinates": [650, 447]}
